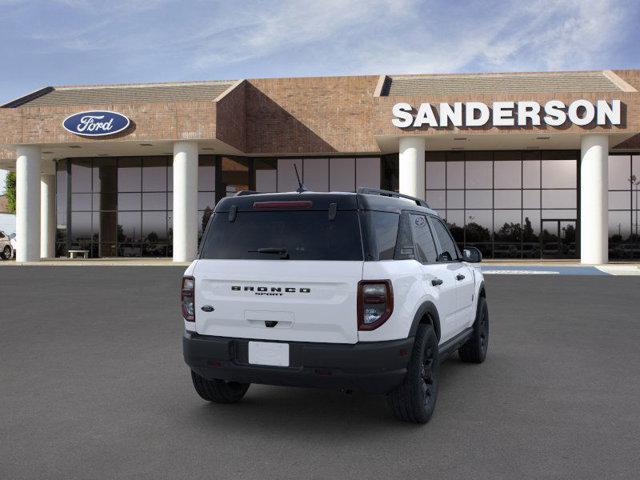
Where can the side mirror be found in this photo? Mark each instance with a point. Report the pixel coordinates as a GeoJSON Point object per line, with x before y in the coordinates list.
{"type": "Point", "coordinates": [471, 255]}
{"type": "Point", "coordinates": [444, 257]}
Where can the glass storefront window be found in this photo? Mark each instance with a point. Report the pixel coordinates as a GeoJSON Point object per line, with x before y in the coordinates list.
{"type": "Point", "coordinates": [266, 175]}
{"type": "Point", "coordinates": [367, 172]}
{"type": "Point", "coordinates": [507, 199]}
{"type": "Point", "coordinates": [287, 181]}
{"type": "Point", "coordinates": [436, 175]}
{"type": "Point", "coordinates": [479, 199]}
{"type": "Point", "coordinates": [624, 202]}
{"type": "Point", "coordinates": [455, 174]}
{"type": "Point", "coordinates": [531, 174]}
{"type": "Point", "coordinates": [316, 174]}
{"type": "Point", "coordinates": [81, 175]}
{"type": "Point", "coordinates": [437, 199]}
{"type": "Point", "coordinates": [455, 198]}
{"type": "Point", "coordinates": [479, 174]}
{"type": "Point", "coordinates": [506, 196]}
{"type": "Point", "coordinates": [342, 174]}
{"type": "Point", "coordinates": [507, 174]}
{"type": "Point", "coordinates": [154, 174]}
{"type": "Point", "coordinates": [129, 174]}
{"type": "Point", "coordinates": [559, 174]}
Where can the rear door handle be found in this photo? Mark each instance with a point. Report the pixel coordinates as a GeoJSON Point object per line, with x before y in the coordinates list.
{"type": "Point", "coordinates": [459, 277]}
{"type": "Point", "coordinates": [436, 281]}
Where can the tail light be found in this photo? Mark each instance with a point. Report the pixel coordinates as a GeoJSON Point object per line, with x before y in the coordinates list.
{"type": "Point", "coordinates": [187, 298]}
{"type": "Point", "coordinates": [375, 303]}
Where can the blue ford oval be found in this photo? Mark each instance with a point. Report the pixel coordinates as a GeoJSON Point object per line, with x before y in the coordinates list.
{"type": "Point", "coordinates": [96, 123]}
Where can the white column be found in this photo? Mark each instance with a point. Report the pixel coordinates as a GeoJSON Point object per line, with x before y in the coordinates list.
{"type": "Point", "coordinates": [47, 215]}
{"type": "Point", "coordinates": [28, 203]}
{"type": "Point", "coordinates": [411, 159]}
{"type": "Point", "coordinates": [594, 209]}
{"type": "Point", "coordinates": [185, 201]}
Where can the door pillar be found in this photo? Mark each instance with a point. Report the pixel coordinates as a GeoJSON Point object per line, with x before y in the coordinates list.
{"type": "Point", "coordinates": [28, 203]}
{"type": "Point", "coordinates": [185, 201]}
{"type": "Point", "coordinates": [594, 190]}
{"type": "Point", "coordinates": [411, 166]}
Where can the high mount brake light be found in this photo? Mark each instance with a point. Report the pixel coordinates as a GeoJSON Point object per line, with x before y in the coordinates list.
{"type": "Point", "coordinates": [284, 204]}
{"type": "Point", "coordinates": [187, 299]}
{"type": "Point", "coordinates": [375, 303]}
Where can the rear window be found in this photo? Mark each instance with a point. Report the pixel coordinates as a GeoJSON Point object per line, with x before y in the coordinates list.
{"type": "Point", "coordinates": [274, 235]}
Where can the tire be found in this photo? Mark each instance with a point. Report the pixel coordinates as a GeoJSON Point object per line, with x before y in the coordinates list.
{"type": "Point", "coordinates": [475, 349]}
{"type": "Point", "coordinates": [415, 400]}
{"type": "Point", "coordinates": [219, 391]}
{"type": "Point", "coordinates": [7, 253]}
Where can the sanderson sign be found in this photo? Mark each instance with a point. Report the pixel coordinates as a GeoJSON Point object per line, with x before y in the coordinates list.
{"type": "Point", "coordinates": [507, 114]}
{"type": "Point", "coordinates": [96, 124]}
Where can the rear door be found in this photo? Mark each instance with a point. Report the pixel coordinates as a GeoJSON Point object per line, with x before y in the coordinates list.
{"type": "Point", "coordinates": [288, 275]}
{"type": "Point", "coordinates": [438, 278]}
{"type": "Point", "coordinates": [461, 274]}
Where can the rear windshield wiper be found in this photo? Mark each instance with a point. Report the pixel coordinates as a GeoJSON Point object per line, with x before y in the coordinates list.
{"type": "Point", "coordinates": [283, 252]}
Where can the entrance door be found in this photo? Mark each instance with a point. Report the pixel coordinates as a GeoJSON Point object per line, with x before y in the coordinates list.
{"type": "Point", "coordinates": [558, 238]}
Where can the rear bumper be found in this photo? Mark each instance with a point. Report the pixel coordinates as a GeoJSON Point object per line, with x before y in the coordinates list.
{"type": "Point", "coordinates": [372, 367]}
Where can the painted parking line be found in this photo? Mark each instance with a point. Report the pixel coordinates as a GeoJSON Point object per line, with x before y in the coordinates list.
{"type": "Point", "coordinates": [541, 270]}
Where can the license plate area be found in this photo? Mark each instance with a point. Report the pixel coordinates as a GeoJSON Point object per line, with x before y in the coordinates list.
{"type": "Point", "coordinates": [269, 353]}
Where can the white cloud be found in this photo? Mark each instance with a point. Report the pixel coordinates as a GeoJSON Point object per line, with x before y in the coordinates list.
{"type": "Point", "coordinates": [541, 35]}
{"type": "Point", "coordinates": [291, 25]}
{"type": "Point", "coordinates": [130, 40]}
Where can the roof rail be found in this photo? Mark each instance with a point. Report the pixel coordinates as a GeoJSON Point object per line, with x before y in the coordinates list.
{"type": "Point", "coordinates": [389, 193]}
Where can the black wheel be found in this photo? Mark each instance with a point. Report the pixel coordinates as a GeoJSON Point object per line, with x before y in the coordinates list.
{"type": "Point", "coordinates": [219, 391]}
{"type": "Point", "coordinates": [6, 253]}
{"type": "Point", "coordinates": [475, 349]}
{"type": "Point", "coordinates": [415, 400]}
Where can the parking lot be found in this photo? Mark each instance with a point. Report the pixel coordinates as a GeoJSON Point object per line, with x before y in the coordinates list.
{"type": "Point", "coordinates": [92, 385]}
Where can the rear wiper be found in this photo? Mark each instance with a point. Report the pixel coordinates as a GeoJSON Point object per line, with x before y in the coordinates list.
{"type": "Point", "coordinates": [283, 252]}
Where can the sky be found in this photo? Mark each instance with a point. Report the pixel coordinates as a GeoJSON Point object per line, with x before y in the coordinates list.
{"type": "Point", "coordinates": [71, 42]}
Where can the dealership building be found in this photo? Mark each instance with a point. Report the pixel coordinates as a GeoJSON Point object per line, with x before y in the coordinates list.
{"type": "Point", "coordinates": [521, 165]}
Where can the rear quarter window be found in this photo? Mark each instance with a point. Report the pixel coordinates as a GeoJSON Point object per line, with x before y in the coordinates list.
{"type": "Point", "coordinates": [382, 234]}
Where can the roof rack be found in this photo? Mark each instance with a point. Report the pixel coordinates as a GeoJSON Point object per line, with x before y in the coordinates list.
{"type": "Point", "coordinates": [389, 193]}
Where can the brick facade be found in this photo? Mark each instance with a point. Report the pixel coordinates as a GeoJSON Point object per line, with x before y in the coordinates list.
{"type": "Point", "coordinates": [287, 116]}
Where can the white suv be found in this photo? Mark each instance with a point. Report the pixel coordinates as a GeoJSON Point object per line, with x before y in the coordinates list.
{"type": "Point", "coordinates": [356, 291]}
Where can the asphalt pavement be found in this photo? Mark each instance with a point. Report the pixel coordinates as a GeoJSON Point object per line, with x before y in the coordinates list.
{"type": "Point", "coordinates": [93, 386]}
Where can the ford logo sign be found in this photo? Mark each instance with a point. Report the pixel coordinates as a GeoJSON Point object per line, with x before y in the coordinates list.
{"type": "Point", "coordinates": [96, 124]}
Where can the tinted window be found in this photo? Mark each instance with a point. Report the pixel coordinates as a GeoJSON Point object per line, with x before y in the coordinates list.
{"type": "Point", "coordinates": [423, 239]}
{"type": "Point", "coordinates": [305, 235]}
{"type": "Point", "coordinates": [383, 228]}
{"type": "Point", "coordinates": [448, 248]}
{"type": "Point", "coordinates": [1, 235]}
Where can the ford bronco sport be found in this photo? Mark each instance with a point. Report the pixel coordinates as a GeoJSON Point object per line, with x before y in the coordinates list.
{"type": "Point", "coordinates": [355, 291]}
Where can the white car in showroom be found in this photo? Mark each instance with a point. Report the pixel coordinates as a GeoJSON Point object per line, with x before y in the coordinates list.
{"type": "Point", "coordinates": [7, 245]}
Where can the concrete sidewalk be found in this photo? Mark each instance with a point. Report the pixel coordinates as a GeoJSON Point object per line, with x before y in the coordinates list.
{"type": "Point", "coordinates": [491, 267]}
{"type": "Point", "coordinates": [99, 262]}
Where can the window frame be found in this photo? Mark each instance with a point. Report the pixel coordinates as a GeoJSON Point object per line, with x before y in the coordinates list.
{"type": "Point", "coordinates": [417, 255]}
{"type": "Point", "coordinates": [433, 218]}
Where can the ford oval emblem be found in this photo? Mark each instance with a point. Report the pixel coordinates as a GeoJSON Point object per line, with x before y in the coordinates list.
{"type": "Point", "coordinates": [96, 123]}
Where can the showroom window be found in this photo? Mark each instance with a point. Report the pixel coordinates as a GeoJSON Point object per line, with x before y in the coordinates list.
{"type": "Point", "coordinates": [624, 196]}
{"type": "Point", "coordinates": [124, 206]}
{"type": "Point", "coordinates": [337, 174]}
{"type": "Point", "coordinates": [509, 204]}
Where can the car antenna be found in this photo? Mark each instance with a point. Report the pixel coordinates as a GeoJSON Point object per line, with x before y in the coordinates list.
{"type": "Point", "coordinates": [301, 187]}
